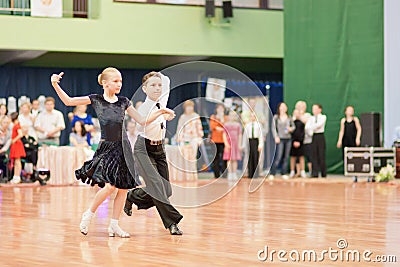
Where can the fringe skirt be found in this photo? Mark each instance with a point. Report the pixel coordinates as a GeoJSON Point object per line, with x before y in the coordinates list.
{"type": "Point", "coordinates": [110, 165]}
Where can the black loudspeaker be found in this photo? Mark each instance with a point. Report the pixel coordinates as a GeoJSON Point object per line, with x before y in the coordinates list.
{"type": "Point", "coordinates": [371, 129]}
{"type": "Point", "coordinates": [227, 9]}
{"type": "Point", "coordinates": [210, 8]}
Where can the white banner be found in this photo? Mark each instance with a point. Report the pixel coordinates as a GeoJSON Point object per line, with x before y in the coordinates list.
{"type": "Point", "coordinates": [392, 69]}
{"type": "Point", "coordinates": [46, 8]}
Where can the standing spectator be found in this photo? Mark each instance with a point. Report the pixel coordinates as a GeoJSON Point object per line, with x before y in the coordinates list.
{"type": "Point", "coordinates": [3, 110]}
{"type": "Point", "coordinates": [81, 115]}
{"type": "Point", "coordinates": [189, 129]}
{"type": "Point", "coordinates": [5, 142]}
{"type": "Point", "coordinates": [350, 131]}
{"type": "Point", "coordinates": [27, 120]}
{"type": "Point", "coordinates": [253, 133]}
{"type": "Point", "coordinates": [301, 106]}
{"type": "Point", "coordinates": [233, 141]}
{"type": "Point", "coordinates": [297, 150]}
{"type": "Point", "coordinates": [317, 126]}
{"type": "Point", "coordinates": [132, 133]}
{"type": "Point", "coordinates": [35, 108]}
{"type": "Point", "coordinates": [49, 124]}
{"type": "Point", "coordinates": [282, 134]}
{"type": "Point", "coordinates": [217, 121]}
{"type": "Point", "coordinates": [17, 150]}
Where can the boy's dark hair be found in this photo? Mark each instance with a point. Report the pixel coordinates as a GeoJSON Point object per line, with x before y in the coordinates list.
{"type": "Point", "coordinates": [14, 116]}
{"type": "Point", "coordinates": [319, 106]}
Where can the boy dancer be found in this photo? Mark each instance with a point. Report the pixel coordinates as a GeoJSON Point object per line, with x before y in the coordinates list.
{"type": "Point", "coordinates": [150, 156]}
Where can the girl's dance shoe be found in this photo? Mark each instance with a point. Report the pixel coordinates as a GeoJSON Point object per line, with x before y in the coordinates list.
{"type": "Point", "coordinates": [115, 230]}
{"type": "Point", "coordinates": [86, 218]}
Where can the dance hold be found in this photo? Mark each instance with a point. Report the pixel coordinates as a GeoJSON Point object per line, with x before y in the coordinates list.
{"type": "Point", "coordinates": [150, 156]}
{"type": "Point", "coordinates": [108, 169]}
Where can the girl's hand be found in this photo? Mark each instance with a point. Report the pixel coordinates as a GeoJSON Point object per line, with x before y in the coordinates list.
{"type": "Point", "coordinates": [56, 78]}
{"type": "Point", "coordinates": [296, 144]}
{"type": "Point", "coordinates": [358, 142]}
{"type": "Point", "coordinates": [277, 140]}
{"type": "Point", "coordinates": [339, 144]}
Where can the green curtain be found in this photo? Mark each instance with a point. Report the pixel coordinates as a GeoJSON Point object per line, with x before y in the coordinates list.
{"type": "Point", "coordinates": [334, 56]}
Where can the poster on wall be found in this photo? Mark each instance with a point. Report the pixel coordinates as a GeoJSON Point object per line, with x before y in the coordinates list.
{"type": "Point", "coordinates": [215, 90]}
{"type": "Point", "coordinates": [46, 8]}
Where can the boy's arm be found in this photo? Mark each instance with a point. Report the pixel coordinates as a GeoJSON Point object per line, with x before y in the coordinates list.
{"type": "Point", "coordinates": [166, 83]}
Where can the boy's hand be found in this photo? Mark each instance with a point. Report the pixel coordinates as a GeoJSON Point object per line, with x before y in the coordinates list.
{"type": "Point", "coordinates": [170, 114]}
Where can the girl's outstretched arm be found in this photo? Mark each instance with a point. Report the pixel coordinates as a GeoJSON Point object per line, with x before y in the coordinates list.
{"type": "Point", "coordinates": [66, 99]}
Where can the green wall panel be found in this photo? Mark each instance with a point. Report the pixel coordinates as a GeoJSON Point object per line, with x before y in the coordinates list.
{"type": "Point", "coordinates": [132, 28]}
{"type": "Point", "coordinates": [334, 56]}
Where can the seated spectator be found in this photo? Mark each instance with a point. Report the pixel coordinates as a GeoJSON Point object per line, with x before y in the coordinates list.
{"type": "Point", "coordinates": [49, 124]}
{"type": "Point", "coordinates": [78, 139]}
{"type": "Point", "coordinates": [80, 114]}
{"type": "Point", "coordinates": [31, 150]}
{"type": "Point", "coordinates": [78, 135]}
{"type": "Point", "coordinates": [27, 120]}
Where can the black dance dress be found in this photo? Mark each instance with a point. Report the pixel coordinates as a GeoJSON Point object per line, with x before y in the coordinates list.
{"type": "Point", "coordinates": [114, 154]}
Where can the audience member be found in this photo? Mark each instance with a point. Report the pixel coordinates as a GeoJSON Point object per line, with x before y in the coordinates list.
{"type": "Point", "coordinates": [217, 121]}
{"type": "Point", "coordinates": [49, 124]}
{"type": "Point", "coordinates": [3, 110]}
{"type": "Point", "coordinates": [350, 130]}
{"type": "Point", "coordinates": [35, 108]}
{"type": "Point", "coordinates": [132, 132]}
{"type": "Point", "coordinates": [297, 150]}
{"type": "Point", "coordinates": [233, 142]}
{"type": "Point", "coordinates": [282, 135]}
{"type": "Point", "coordinates": [17, 150]}
{"type": "Point", "coordinates": [27, 120]}
{"type": "Point", "coordinates": [254, 136]}
{"type": "Point", "coordinates": [301, 106]}
{"type": "Point", "coordinates": [31, 150]}
{"type": "Point", "coordinates": [81, 115]}
{"type": "Point", "coordinates": [189, 129]}
{"type": "Point", "coordinates": [5, 142]}
{"type": "Point", "coordinates": [78, 136]}
{"type": "Point", "coordinates": [317, 126]}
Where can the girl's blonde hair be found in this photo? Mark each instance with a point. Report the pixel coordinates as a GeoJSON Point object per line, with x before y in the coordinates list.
{"type": "Point", "coordinates": [104, 75]}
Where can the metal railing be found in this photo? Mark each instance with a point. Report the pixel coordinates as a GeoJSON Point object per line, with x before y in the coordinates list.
{"type": "Point", "coordinates": [23, 8]}
{"type": "Point", "coordinates": [15, 7]}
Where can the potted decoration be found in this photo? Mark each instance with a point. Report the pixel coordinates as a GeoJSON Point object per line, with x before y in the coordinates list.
{"type": "Point", "coordinates": [385, 174]}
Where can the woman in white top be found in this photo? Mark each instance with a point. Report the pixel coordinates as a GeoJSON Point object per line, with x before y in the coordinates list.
{"type": "Point", "coordinates": [27, 120]}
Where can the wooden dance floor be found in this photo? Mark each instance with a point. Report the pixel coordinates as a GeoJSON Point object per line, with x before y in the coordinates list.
{"type": "Point", "coordinates": [39, 226]}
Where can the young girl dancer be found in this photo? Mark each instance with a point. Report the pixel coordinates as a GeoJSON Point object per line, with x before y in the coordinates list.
{"type": "Point", "coordinates": [17, 150]}
{"type": "Point", "coordinates": [232, 140]}
{"type": "Point", "coordinates": [108, 168]}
